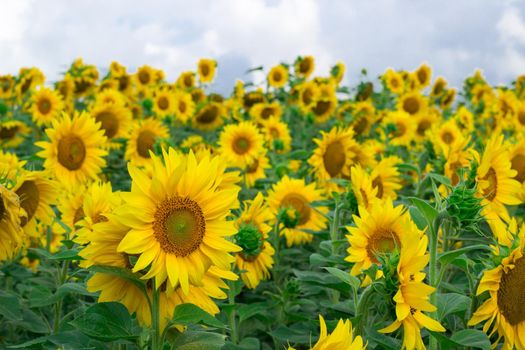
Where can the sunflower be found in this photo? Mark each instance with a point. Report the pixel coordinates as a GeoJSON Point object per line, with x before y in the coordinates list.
{"type": "Point", "coordinates": [206, 68]}
{"type": "Point", "coordinates": [459, 156]}
{"type": "Point", "coordinates": [278, 76]}
{"type": "Point", "coordinates": [293, 194]}
{"type": "Point", "coordinates": [277, 135]}
{"type": "Point", "coordinates": [412, 103]}
{"type": "Point", "coordinates": [324, 108]}
{"type": "Point", "coordinates": [504, 310]}
{"type": "Point", "coordinates": [448, 98]}
{"type": "Point", "coordinates": [10, 165]}
{"type": "Point", "coordinates": [496, 184]}
{"type": "Point", "coordinates": [145, 133]}
{"type": "Point", "coordinates": [263, 111]}
{"type": "Point", "coordinates": [209, 116]}
{"type": "Point", "coordinates": [255, 170]}
{"type": "Point", "coordinates": [423, 75]}
{"type": "Point", "coordinates": [386, 178]}
{"type": "Point", "coordinates": [255, 259]}
{"type": "Point", "coordinates": [446, 136]}
{"type": "Point", "coordinates": [338, 71]}
{"type": "Point", "coordinates": [115, 120]}
{"type": "Point", "coordinates": [394, 81]}
{"type": "Point", "coordinates": [29, 79]}
{"type": "Point", "coordinates": [365, 192]}
{"type": "Point", "coordinates": [12, 133]}
{"type": "Point", "coordinates": [405, 128]}
{"type": "Point", "coordinates": [438, 88]}
{"type": "Point", "coordinates": [332, 157]}
{"type": "Point", "coordinates": [425, 122]}
{"type": "Point", "coordinates": [304, 66]}
{"type": "Point", "coordinates": [308, 93]}
{"type": "Point", "coordinates": [517, 160]}
{"type": "Point", "coordinates": [465, 119]}
{"type": "Point", "coordinates": [71, 207]}
{"type": "Point", "coordinates": [184, 106]}
{"type": "Point", "coordinates": [241, 143]}
{"type": "Point", "coordinates": [73, 153]}
{"type": "Point", "coordinates": [46, 106]}
{"type": "Point", "coordinates": [7, 84]}
{"type": "Point", "coordinates": [177, 219]}
{"type": "Point", "coordinates": [163, 102]}
{"type": "Point", "coordinates": [37, 194]}
{"type": "Point", "coordinates": [144, 77]}
{"type": "Point", "coordinates": [110, 96]}
{"type": "Point", "coordinates": [66, 89]}
{"type": "Point", "coordinates": [186, 80]}
{"type": "Point", "coordinates": [11, 233]}
{"type": "Point", "coordinates": [413, 295]}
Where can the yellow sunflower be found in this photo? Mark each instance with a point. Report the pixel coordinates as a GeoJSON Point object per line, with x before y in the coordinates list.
{"type": "Point", "coordinates": [263, 111]}
{"type": "Point", "coordinates": [296, 196]}
{"type": "Point", "coordinates": [241, 143]}
{"type": "Point", "coordinates": [446, 136]}
{"type": "Point", "coordinates": [412, 103]}
{"type": "Point", "coordinates": [496, 184]}
{"type": "Point", "coordinates": [394, 81]}
{"type": "Point", "coordinates": [209, 116]}
{"type": "Point", "coordinates": [145, 133]}
{"type": "Point", "coordinates": [115, 120]}
{"type": "Point", "coordinates": [363, 188]}
{"type": "Point", "coordinates": [7, 84]}
{"type": "Point", "coordinates": [517, 160]}
{"type": "Point", "coordinates": [110, 96]}
{"type": "Point", "coordinates": [37, 194]}
{"type": "Point", "coordinates": [308, 94]}
{"type": "Point", "coordinates": [74, 153]}
{"type": "Point", "coordinates": [256, 257]}
{"type": "Point", "coordinates": [278, 76]}
{"type": "Point", "coordinates": [206, 68]}
{"type": "Point", "coordinates": [144, 77]}
{"type": "Point", "coordinates": [277, 135]}
{"type": "Point", "coordinates": [363, 117]}
{"type": "Point", "coordinates": [255, 170]}
{"type": "Point", "coordinates": [386, 178]}
{"type": "Point", "coordinates": [423, 75]}
{"type": "Point", "coordinates": [177, 219]}
{"type": "Point", "coordinates": [448, 98]}
{"type": "Point", "coordinates": [29, 79]}
{"type": "Point", "coordinates": [504, 310]}
{"type": "Point", "coordinates": [12, 133]}
{"type": "Point", "coordinates": [324, 108]}
{"type": "Point", "coordinates": [304, 66]}
{"type": "Point", "coordinates": [405, 128]}
{"type": "Point", "coordinates": [71, 207]}
{"type": "Point", "coordinates": [425, 122]}
{"type": "Point", "coordinates": [184, 106]}
{"type": "Point", "coordinates": [46, 106]}
{"type": "Point", "coordinates": [338, 71]}
{"type": "Point", "coordinates": [186, 80]}
{"type": "Point", "coordinates": [163, 102]}
{"type": "Point", "coordinates": [438, 88]}
{"type": "Point", "coordinates": [10, 165]}
{"type": "Point", "coordinates": [11, 233]}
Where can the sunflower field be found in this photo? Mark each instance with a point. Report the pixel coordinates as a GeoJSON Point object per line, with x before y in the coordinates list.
{"type": "Point", "coordinates": [296, 213]}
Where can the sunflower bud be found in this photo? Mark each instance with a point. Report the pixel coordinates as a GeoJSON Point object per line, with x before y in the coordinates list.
{"type": "Point", "coordinates": [289, 217]}
{"type": "Point", "coordinates": [3, 109]}
{"type": "Point", "coordinates": [464, 208]}
{"type": "Point", "coordinates": [278, 145]}
{"type": "Point", "coordinates": [250, 240]}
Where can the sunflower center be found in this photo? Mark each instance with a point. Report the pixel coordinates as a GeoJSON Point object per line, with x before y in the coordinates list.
{"type": "Point", "coordinates": [29, 198]}
{"type": "Point", "coordinates": [382, 241]}
{"type": "Point", "coordinates": [277, 77]}
{"type": "Point", "coordinates": [182, 106]}
{"type": "Point", "coordinates": [511, 293]}
{"type": "Point", "coordinates": [79, 215]}
{"type": "Point", "coordinates": [44, 106]}
{"type": "Point", "coordinates": [163, 103]}
{"type": "Point", "coordinates": [521, 117]}
{"type": "Point", "coordinates": [7, 133]}
{"type": "Point", "coordinates": [447, 137]}
{"type": "Point", "coordinates": [252, 168]}
{"type": "Point", "coordinates": [492, 187]}
{"type": "Point", "coordinates": [123, 83]}
{"type": "Point", "coordinates": [401, 129]}
{"type": "Point", "coordinates": [3, 210]}
{"type": "Point", "coordinates": [241, 145]}
{"type": "Point", "coordinates": [188, 81]}
{"type": "Point", "coordinates": [304, 66]}
{"type": "Point", "coordinates": [205, 70]}
{"type": "Point", "coordinates": [334, 158]}
{"type": "Point", "coordinates": [144, 77]}
{"type": "Point", "coordinates": [454, 169]}
{"type": "Point", "coordinates": [208, 115]}
{"type": "Point", "coordinates": [377, 183]}
{"type": "Point", "coordinates": [109, 123]}
{"type": "Point", "coordinates": [411, 105]}
{"type": "Point", "coordinates": [423, 126]}
{"type": "Point", "coordinates": [145, 143]}
{"type": "Point", "coordinates": [321, 107]}
{"type": "Point", "coordinates": [300, 204]}
{"type": "Point", "coordinates": [307, 96]}
{"type": "Point", "coordinates": [267, 112]}
{"type": "Point", "coordinates": [395, 82]}
{"type": "Point", "coordinates": [71, 152]}
{"type": "Point", "coordinates": [360, 125]}
{"type": "Point", "coordinates": [518, 164]}
{"type": "Point", "coordinates": [422, 76]}
{"type": "Point", "coordinates": [179, 225]}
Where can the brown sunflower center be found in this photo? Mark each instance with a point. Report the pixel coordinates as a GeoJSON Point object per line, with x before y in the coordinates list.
{"type": "Point", "coordinates": [79, 215]}
{"type": "Point", "coordinates": [382, 241]}
{"type": "Point", "coordinates": [321, 107]}
{"type": "Point", "coordinates": [205, 70]}
{"type": "Point", "coordinates": [267, 112]}
{"type": "Point", "coordinates": [423, 126]}
{"type": "Point", "coordinates": [447, 137]}
{"type": "Point", "coordinates": [144, 77]}
{"type": "Point", "coordinates": [377, 183]}
{"type": "Point", "coordinates": [454, 178]}
{"type": "Point", "coordinates": [518, 164]}
{"type": "Point", "coordinates": [307, 96]}
{"type": "Point", "coordinates": [360, 125]}
{"type": "Point", "coordinates": [521, 117]}
{"type": "Point", "coordinates": [7, 133]}
{"type": "Point", "coordinates": [123, 83]}
{"type": "Point", "coordinates": [304, 66]}
{"type": "Point", "coordinates": [411, 105]}
{"type": "Point", "coordinates": [188, 81]}
{"type": "Point", "coordinates": [422, 76]}
{"type": "Point", "coordinates": [252, 168]}
{"type": "Point", "coordinates": [145, 143]}
{"type": "Point", "coordinates": [208, 115]}
{"type": "Point", "coordinates": [163, 103]}
{"type": "Point", "coordinates": [277, 77]}
{"type": "Point", "coordinates": [395, 82]}
{"type": "Point", "coordinates": [492, 186]}
{"type": "Point", "coordinates": [241, 145]}
{"type": "Point", "coordinates": [511, 293]}
{"type": "Point", "coordinates": [401, 129]}
{"type": "Point", "coordinates": [71, 152]}
{"type": "Point", "coordinates": [182, 107]}
{"type": "Point", "coordinates": [29, 198]}
{"type": "Point", "coordinates": [300, 204]}
{"type": "Point", "coordinates": [44, 106]}
{"type": "Point", "coordinates": [179, 225]}
{"type": "Point", "coordinates": [109, 123]}
{"type": "Point", "coordinates": [334, 158]}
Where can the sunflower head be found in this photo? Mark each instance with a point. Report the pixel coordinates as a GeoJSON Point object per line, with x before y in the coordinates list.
{"type": "Point", "coordinates": [304, 66]}
{"type": "Point", "coordinates": [250, 239]}
{"type": "Point", "coordinates": [206, 68]}
{"type": "Point", "coordinates": [278, 76]}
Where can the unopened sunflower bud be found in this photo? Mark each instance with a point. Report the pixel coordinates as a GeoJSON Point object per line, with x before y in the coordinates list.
{"type": "Point", "coordinates": [249, 239]}
{"type": "Point", "coordinates": [289, 217]}
{"type": "Point", "coordinates": [464, 207]}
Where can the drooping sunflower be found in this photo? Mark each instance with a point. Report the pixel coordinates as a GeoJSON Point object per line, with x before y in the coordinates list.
{"type": "Point", "coordinates": [28, 80]}
{"type": "Point", "coordinates": [177, 219]}
{"type": "Point", "coordinates": [504, 310]}
{"type": "Point", "coordinates": [115, 120]}
{"type": "Point", "coordinates": [184, 106]}
{"type": "Point", "coordinates": [74, 153]}
{"type": "Point", "coordinates": [163, 102]}
{"type": "Point", "coordinates": [46, 106]}
{"type": "Point", "coordinates": [255, 170]}
{"type": "Point", "coordinates": [296, 196]}
{"type": "Point", "coordinates": [11, 233]}
{"type": "Point", "coordinates": [143, 137]}
{"type": "Point", "coordinates": [380, 229]}
{"type": "Point", "coordinates": [37, 194]}
{"type": "Point", "coordinates": [412, 103]}
{"type": "Point", "coordinates": [304, 66]}
{"type": "Point", "coordinates": [338, 71]}
{"type": "Point", "coordinates": [241, 143]}
{"type": "Point", "coordinates": [278, 76]}
{"type": "Point", "coordinates": [256, 257]}
{"type": "Point", "coordinates": [206, 68]}
{"type": "Point", "coordinates": [209, 116]}
{"type": "Point", "coordinates": [12, 133]}
{"type": "Point", "coordinates": [277, 135]}
{"type": "Point", "coordinates": [332, 157]}
{"type": "Point", "coordinates": [386, 178]}
{"type": "Point", "coordinates": [496, 184]}
{"type": "Point", "coordinates": [438, 88]}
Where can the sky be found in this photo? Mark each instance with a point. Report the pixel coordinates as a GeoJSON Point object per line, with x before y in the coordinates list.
{"type": "Point", "coordinates": [454, 37]}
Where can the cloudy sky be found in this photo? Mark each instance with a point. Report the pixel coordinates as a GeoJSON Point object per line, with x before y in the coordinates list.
{"type": "Point", "coordinates": [454, 37]}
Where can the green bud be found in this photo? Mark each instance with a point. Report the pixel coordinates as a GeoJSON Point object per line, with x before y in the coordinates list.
{"type": "Point", "coordinates": [147, 104]}
{"type": "Point", "coordinates": [278, 144]}
{"type": "Point", "coordinates": [3, 109]}
{"type": "Point", "coordinates": [289, 217]}
{"type": "Point", "coordinates": [250, 240]}
{"type": "Point", "coordinates": [464, 207]}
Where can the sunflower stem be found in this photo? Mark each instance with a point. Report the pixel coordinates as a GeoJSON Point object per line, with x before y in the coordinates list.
{"type": "Point", "coordinates": [433, 272]}
{"type": "Point", "coordinates": [334, 228]}
{"type": "Point", "coordinates": [156, 341]}
{"type": "Point", "coordinates": [276, 245]}
{"type": "Point", "coordinates": [232, 316]}
{"type": "Point", "coordinates": [58, 306]}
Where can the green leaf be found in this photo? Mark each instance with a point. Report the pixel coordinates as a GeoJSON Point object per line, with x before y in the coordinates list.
{"type": "Point", "coordinates": [450, 303]}
{"type": "Point", "coordinates": [197, 340]}
{"type": "Point", "coordinates": [187, 314]}
{"type": "Point", "coordinates": [245, 344]}
{"type": "Point", "coordinates": [472, 338]}
{"type": "Point", "coordinates": [249, 310]}
{"type": "Point", "coordinates": [418, 218]}
{"type": "Point", "coordinates": [440, 178]}
{"type": "Point", "coordinates": [386, 342]}
{"type": "Point", "coordinates": [106, 321]}
{"type": "Point", "coordinates": [10, 306]}
{"type": "Point", "coordinates": [447, 257]}
{"type": "Point", "coordinates": [426, 210]}
{"type": "Point", "coordinates": [353, 281]}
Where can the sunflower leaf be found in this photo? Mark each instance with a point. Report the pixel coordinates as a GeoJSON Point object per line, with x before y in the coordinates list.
{"type": "Point", "coordinates": [186, 314]}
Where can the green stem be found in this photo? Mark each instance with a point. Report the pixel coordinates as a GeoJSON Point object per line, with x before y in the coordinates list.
{"type": "Point", "coordinates": [58, 306]}
{"type": "Point", "coordinates": [334, 228]}
{"type": "Point", "coordinates": [156, 341]}
{"type": "Point", "coordinates": [276, 246]}
{"type": "Point", "coordinates": [433, 273]}
{"type": "Point", "coordinates": [362, 308]}
{"type": "Point", "coordinates": [232, 318]}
